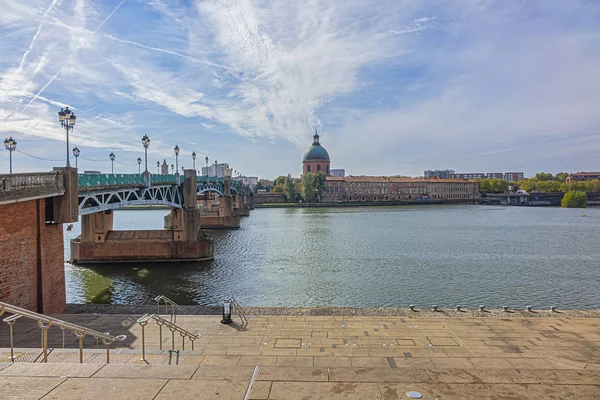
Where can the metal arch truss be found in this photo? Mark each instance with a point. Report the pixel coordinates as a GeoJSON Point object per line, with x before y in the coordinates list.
{"type": "Point", "coordinates": [216, 187]}
{"type": "Point", "coordinates": [94, 201]}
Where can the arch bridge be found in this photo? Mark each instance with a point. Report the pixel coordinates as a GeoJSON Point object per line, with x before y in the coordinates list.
{"type": "Point", "coordinates": [101, 192]}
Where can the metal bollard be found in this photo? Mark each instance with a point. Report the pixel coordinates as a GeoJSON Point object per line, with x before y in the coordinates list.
{"type": "Point", "coordinates": [482, 308]}
{"type": "Point", "coordinates": [434, 308]}
{"type": "Point", "coordinates": [505, 308]}
{"type": "Point", "coordinates": [553, 308]}
{"type": "Point", "coordinates": [529, 308]}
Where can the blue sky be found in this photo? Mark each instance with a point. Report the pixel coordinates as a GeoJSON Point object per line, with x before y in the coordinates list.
{"type": "Point", "coordinates": [394, 86]}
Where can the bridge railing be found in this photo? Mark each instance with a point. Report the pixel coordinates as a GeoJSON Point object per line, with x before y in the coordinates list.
{"type": "Point", "coordinates": [164, 179]}
{"type": "Point", "coordinates": [31, 185]}
{"type": "Point", "coordinates": [99, 180]}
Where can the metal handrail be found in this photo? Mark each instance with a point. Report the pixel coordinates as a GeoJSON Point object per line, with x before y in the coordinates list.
{"type": "Point", "coordinates": [160, 321]}
{"type": "Point", "coordinates": [237, 308]}
{"type": "Point", "coordinates": [171, 307]}
{"type": "Point", "coordinates": [45, 322]}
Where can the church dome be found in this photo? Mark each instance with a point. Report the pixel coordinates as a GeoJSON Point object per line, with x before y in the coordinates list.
{"type": "Point", "coordinates": [316, 152]}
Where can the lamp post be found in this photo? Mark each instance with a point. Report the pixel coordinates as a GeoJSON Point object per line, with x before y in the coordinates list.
{"type": "Point", "coordinates": [172, 169]}
{"type": "Point", "coordinates": [146, 143]}
{"type": "Point", "coordinates": [67, 121]}
{"type": "Point", "coordinates": [11, 145]}
{"type": "Point", "coordinates": [139, 160]}
{"type": "Point", "coordinates": [158, 167]}
{"type": "Point", "coordinates": [206, 159]}
{"type": "Point", "coordinates": [112, 162]}
{"type": "Point", "coordinates": [176, 150]}
{"type": "Point", "coordinates": [194, 159]}
{"type": "Point", "coordinates": [76, 154]}
{"type": "Point", "coordinates": [216, 174]}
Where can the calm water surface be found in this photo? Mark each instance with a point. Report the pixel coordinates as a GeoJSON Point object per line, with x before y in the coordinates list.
{"type": "Point", "coordinates": [370, 257]}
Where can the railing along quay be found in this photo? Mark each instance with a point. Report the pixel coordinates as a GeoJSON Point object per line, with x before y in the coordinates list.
{"type": "Point", "coordinates": [170, 307]}
{"type": "Point", "coordinates": [160, 321]}
{"type": "Point", "coordinates": [46, 322]}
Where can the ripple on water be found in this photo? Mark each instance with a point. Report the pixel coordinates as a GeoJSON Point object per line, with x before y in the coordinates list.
{"type": "Point", "coordinates": [370, 257]}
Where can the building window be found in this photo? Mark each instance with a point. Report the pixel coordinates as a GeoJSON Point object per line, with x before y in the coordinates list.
{"type": "Point", "coordinates": [308, 168]}
{"type": "Point", "coordinates": [319, 168]}
{"type": "Point", "coordinates": [328, 170]}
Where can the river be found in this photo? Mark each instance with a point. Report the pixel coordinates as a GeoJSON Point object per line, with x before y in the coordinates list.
{"type": "Point", "coordinates": [369, 257]}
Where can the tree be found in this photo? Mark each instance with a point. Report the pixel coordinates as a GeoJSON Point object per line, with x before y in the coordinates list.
{"type": "Point", "coordinates": [313, 186]}
{"type": "Point", "coordinates": [544, 176]}
{"type": "Point", "coordinates": [289, 188]}
{"type": "Point", "coordinates": [484, 185]}
{"type": "Point", "coordinates": [259, 186]}
{"type": "Point", "coordinates": [561, 176]}
{"type": "Point", "coordinates": [575, 199]}
{"type": "Point", "coordinates": [280, 180]}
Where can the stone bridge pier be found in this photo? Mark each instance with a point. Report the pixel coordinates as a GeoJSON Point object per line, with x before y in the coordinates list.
{"type": "Point", "coordinates": [223, 215]}
{"type": "Point", "coordinates": [182, 240]}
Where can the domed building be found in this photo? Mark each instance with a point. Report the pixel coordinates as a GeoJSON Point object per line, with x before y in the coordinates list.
{"type": "Point", "coordinates": [316, 159]}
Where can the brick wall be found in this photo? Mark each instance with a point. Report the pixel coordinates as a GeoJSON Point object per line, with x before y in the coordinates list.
{"type": "Point", "coordinates": [31, 258]}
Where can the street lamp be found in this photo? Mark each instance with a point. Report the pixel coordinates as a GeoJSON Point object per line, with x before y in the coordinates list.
{"type": "Point", "coordinates": [176, 150]}
{"type": "Point", "coordinates": [172, 169]}
{"type": "Point", "coordinates": [112, 162]}
{"type": "Point", "coordinates": [67, 121]}
{"type": "Point", "coordinates": [76, 154]}
{"type": "Point", "coordinates": [194, 158]}
{"type": "Point", "coordinates": [146, 143]}
{"type": "Point", "coordinates": [158, 167]}
{"type": "Point", "coordinates": [139, 160]}
{"type": "Point", "coordinates": [206, 159]}
{"type": "Point", "coordinates": [11, 145]}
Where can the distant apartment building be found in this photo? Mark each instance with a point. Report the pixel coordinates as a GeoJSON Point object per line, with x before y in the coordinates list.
{"type": "Point", "coordinates": [251, 181]}
{"type": "Point", "coordinates": [438, 173]}
{"type": "Point", "coordinates": [217, 170]}
{"type": "Point", "coordinates": [507, 176]}
{"type": "Point", "coordinates": [583, 176]}
{"type": "Point", "coordinates": [513, 176]}
{"type": "Point", "coordinates": [338, 172]}
{"type": "Point", "coordinates": [469, 175]}
{"type": "Point", "coordinates": [387, 188]}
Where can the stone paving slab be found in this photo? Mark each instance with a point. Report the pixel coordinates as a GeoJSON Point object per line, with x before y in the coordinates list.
{"type": "Point", "coordinates": [146, 371]}
{"type": "Point", "coordinates": [107, 388]}
{"type": "Point", "coordinates": [321, 357]}
{"type": "Point", "coordinates": [50, 370]}
{"type": "Point", "coordinates": [27, 388]}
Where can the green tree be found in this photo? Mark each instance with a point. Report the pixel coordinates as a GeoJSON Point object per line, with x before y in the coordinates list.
{"type": "Point", "coordinates": [544, 176]}
{"type": "Point", "coordinates": [484, 185]}
{"type": "Point", "coordinates": [313, 186]}
{"type": "Point", "coordinates": [289, 189]}
{"type": "Point", "coordinates": [561, 176]}
{"type": "Point", "coordinates": [574, 199]}
{"type": "Point", "coordinates": [280, 180]}
{"type": "Point", "coordinates": [498, 185]}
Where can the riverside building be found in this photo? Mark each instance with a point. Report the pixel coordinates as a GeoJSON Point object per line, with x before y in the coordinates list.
{"type": "Point", "coordinates": [384, 188]}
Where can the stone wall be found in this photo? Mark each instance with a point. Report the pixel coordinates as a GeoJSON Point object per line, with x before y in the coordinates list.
{"type": "Point", "coordinates": [31, 258]}
{"type": "Point", "coordinates": [269, 197]}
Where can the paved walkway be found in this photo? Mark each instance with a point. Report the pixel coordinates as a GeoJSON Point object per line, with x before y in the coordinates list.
{"type": "Point", "coordinates": [316, 358]}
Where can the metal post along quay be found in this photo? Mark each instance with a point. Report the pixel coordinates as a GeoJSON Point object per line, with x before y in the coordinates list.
{"type": "Point", "coordinates": [194, 159]}
{"type": "Point", "coordinates": [67, 121]}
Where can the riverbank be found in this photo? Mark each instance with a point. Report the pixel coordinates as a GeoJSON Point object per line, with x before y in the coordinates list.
{"type": "Point", "coordinates": [363, 204]}
{"type": "Point", "coordinates": [336, 311]}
